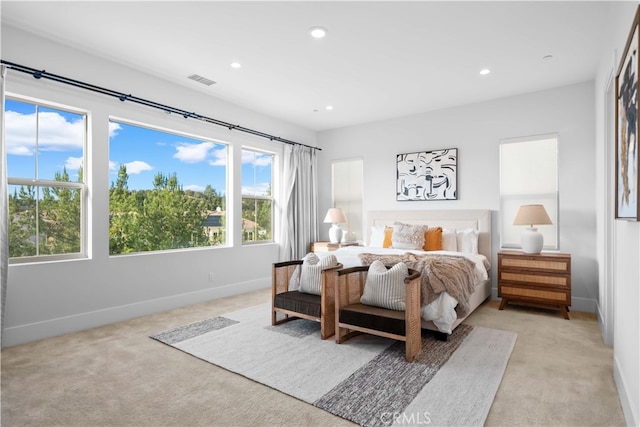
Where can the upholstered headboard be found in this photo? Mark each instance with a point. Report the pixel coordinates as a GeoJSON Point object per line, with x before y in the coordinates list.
{"type": "Point", "coordinates": [479, 219]}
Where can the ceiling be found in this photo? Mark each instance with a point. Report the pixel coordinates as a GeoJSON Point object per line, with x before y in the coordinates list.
{"type": "Point", "coordinates": [379, 60]}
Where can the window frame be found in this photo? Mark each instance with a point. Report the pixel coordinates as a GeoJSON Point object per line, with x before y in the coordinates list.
{"type": "Point", "coordinates": [38, 183]}
{"type": "Point", "coordinates": [270, 198]}
{"type": "Point", "coordinates": [168, 130]}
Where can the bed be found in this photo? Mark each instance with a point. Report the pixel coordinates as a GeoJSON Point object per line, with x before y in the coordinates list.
{"type": "Point", "coordinates": [472, 228]}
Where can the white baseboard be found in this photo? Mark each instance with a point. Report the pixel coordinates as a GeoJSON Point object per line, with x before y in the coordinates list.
{"type": "Point", "coordinates": [630, 416]}
{"type": "Point", "coordinates": [46, 329]}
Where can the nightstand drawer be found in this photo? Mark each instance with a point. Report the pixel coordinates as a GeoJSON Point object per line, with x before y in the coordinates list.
{"type": "Point", "coordinates": [541, 279]}
{"type": "Point", "coordinates": [536, 295]}
{"type": "Point", "coordinates": [562, 266]}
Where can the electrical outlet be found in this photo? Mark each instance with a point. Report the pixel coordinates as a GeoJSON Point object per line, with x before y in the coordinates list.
{"type": "Point", "coordinates": [211, 276]}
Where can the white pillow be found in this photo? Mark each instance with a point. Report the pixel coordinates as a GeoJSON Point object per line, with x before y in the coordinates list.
{"type": "Point", "coordinates": [311, 275]}
{"type": "Point", "coordinates": [407, 236]}
{"type": "Point", "coordinates": [385, 288]}
{"type": "Point", "coordinates": [294, 281]}
{"type": "Point", "coordinates": [449, 240]}
{"type": "Point", "coordinates": [467, 241]}
{"type": "Point", "coordinates": [377, 236]}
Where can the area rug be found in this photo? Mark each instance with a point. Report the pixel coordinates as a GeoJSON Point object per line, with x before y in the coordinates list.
{"type": "Point", "coordinates": [365, 379]}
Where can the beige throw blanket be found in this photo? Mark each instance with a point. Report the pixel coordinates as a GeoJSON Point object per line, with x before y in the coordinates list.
{"type": "Point", "coordinates": [438, 273]}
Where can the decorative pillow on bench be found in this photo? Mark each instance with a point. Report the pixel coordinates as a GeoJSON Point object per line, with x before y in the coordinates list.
{"type": "Point", "coordinates": [310, 275]}
{"type": "Point", "coordinates": [385, 287]}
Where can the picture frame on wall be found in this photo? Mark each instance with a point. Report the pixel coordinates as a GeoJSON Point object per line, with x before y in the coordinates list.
{"type": "Point", "coordinates": [427, 175]}
{"type": "Point", "coordinates": [627, 182]}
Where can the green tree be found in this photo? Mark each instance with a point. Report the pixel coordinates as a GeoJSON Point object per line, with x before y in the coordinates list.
{"type": "Point", "coordinates": [169, 219]}
{"type": "Point", "coordinates": [59, 217]}
{"type": "Point", "coordinates": [123, 215]}
{"type": "Point", "coordinates": [22, 222]}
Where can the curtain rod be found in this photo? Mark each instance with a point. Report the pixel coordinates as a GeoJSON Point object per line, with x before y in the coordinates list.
{"type": "Point", "coordinates": [38, 74]}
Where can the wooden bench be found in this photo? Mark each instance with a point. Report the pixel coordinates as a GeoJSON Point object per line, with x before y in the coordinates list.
{"type": "Point", "coordinates": [295, 304]}
{"type": "Point", "coordinates": [353, 317]}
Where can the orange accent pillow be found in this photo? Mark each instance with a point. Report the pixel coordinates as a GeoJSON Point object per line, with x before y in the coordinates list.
{"type": "Point", "coordinates": [388, 231]}
{"type": "Point", "coordinates": [433, 239]}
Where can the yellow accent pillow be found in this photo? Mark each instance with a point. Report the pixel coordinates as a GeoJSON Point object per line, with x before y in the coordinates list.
{"type": "Point", "coordinates": [433, 239]}
{"type": "Point", "coordinates": [388, 231]}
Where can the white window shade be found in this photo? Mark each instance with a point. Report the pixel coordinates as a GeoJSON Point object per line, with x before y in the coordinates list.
{"type": "Point", "coordinates": [528, 175]}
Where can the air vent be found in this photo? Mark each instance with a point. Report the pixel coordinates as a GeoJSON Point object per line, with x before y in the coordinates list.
{"type": "Point", "coordinates": [203, 80]}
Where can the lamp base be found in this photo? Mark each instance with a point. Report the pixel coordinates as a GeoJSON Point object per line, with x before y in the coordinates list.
{"type": "Point", "coordinates": [532, 241]}
{"type": "Point", "coordinates": [335, 234]}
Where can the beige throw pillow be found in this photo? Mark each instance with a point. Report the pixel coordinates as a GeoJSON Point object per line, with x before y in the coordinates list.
{"type": "Point", "coordinates": [311, 272]}
{"type": "Point", "coordinates": [407, 236]}
{"type": "Point", "coordinates": [385, 288]}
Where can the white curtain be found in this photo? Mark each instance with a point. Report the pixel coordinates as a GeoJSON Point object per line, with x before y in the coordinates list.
{"type": "Point", "coordinates": [4, 211]}
{"type": "Point", "coordinates": [300, 202]}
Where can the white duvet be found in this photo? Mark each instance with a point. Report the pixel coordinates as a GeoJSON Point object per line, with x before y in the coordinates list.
{"type": "Point", "coordinates": [442, 310]}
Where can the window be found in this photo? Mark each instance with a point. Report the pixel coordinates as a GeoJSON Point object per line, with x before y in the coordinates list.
{"type": "Point", "coordinates": [168, 190]}
{"type": "Point", "coordinates": [45, 159]}
{"type": "Point", "coordinates": [528, 175]}
{"type": "Point", "coordinates": [257, 196]}
{"type": "Point", "coordinates": [347, 185]}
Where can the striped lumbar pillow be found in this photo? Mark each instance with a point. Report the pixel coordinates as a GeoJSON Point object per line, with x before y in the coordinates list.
{"type": "Point", "coordinates": [311, 274]}
{"type": "Point", "coordinates": [294, 281]}
{"type": "Point", "coordinates": [385, 288]}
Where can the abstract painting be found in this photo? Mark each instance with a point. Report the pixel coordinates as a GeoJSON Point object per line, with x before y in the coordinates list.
{"type": "Point", "coordinates": [627, 179]}
{"type": "Point", "coordinates": [427, 175]}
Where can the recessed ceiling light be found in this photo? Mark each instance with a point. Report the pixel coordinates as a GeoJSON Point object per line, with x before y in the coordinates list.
{"type": "Point", "coordinates": [236, 64]}
{"type": "Point", "coordinates": [318, 32]}
{"type": "Point", "coordinates": [485, 71]}
{"type": "Point", "coordinates": [329, 107]}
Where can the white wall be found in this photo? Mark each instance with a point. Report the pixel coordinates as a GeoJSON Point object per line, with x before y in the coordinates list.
{"type": "Point", "coordinates": [618, 241]}
{"type": "Point", "coordinates": [47, 299]}
{"type": "Point", "coordinates": [475, 130]}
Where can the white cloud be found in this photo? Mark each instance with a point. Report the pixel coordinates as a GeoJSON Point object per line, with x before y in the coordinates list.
{"type": "Point", "coordinates": [55, 133]}
{"type": "Point", "coordinates": [137, 166]}
{"type": "Point", "coordinates": [113, 129]}
{"type": "Point", "coordinates": [260, 189]}
{"type": "Point", "coordinates": [193, 153]}
{"type": "Point", "coordinates": [219, 157]}
{"type": "Point", "coordinates": [256, 159]}
{"type": "Point", "coordinates": [73, 163]}
{"type": "Point", "coordinates": [113, 165]}
{"type": "Point", "coordinates": [194, 187]}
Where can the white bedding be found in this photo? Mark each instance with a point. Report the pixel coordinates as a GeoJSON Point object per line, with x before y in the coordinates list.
{"type": "Point", "coordinates": [441, 311]}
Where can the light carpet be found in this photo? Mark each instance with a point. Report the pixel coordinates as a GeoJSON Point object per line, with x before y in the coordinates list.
{"type": "Point", "coordinates": [366, 379]}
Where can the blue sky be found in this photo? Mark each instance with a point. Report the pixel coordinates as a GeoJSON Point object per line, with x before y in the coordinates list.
{"type": "Point", "coordinates": [144, 151]}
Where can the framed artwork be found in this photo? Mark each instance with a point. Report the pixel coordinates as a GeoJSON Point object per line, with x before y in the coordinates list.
{"type": "Point", "coordinates": [627, 187]}
{"type": "Point", "coordinates": [427, 175]}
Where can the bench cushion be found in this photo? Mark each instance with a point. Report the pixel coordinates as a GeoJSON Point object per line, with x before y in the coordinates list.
{"type": "Point", "coordinates": [299, 302]}
{"type": "Point", "coordinates": [376, 318]}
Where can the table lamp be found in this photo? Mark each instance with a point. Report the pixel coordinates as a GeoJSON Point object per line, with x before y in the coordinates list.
{"type": "Point", "coordinates": [335, 216]}
{"type": "Point", "coordinates": [532, 240]}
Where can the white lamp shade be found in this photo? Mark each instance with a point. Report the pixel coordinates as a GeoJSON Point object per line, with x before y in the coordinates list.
{"type": "Point", "coordinates": [532, 240]}
{"type": "Point", "coordinates": [335, 216]}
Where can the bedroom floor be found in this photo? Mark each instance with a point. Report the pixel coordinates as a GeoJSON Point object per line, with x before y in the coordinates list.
{"type": "Point", "coordinates": [560, 373]}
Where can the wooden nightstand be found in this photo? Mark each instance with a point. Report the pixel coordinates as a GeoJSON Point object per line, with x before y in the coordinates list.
{"type": "Point", "coordinates": [328, 246]}
{"type": "Point", "coordinates": [543, 279]}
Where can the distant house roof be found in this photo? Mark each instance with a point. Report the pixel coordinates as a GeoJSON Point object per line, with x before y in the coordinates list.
{"type": "Point", "coordinates": [213, 221]}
